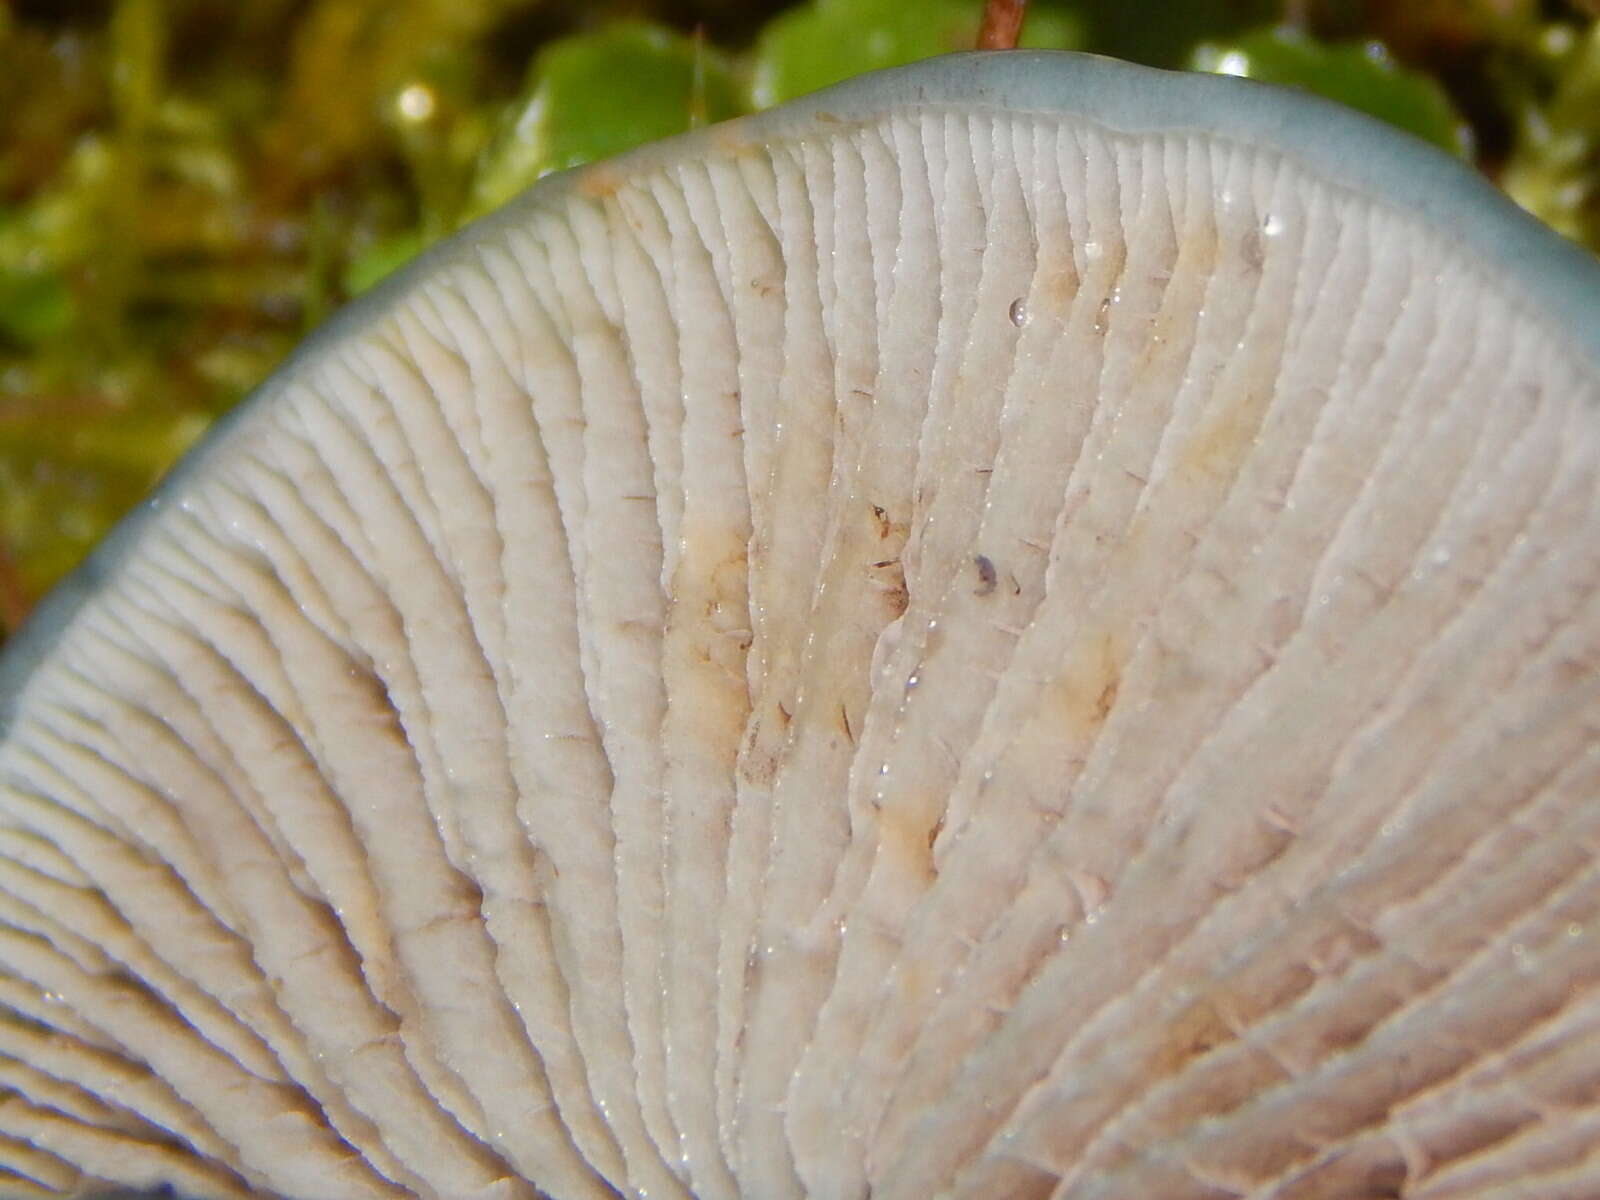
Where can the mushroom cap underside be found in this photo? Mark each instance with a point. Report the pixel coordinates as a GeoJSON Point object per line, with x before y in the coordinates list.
{"type": "Point", "coordinates": [1023, 626]}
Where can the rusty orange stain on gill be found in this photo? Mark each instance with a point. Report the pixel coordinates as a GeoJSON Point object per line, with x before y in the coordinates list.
{"type": "Point", "coordinates": [733, 139]}
{"type": "Point", "coordinates": [1085, 692]}
{"type": "Point", "coordinates": [889, 577]}
{"type": "Point", "coordinates": [908, 825]}
{"type": "Point", "coordinates": [1070, 708]}
{"type": "Point", "coordinates": [1193, 1032]}
{"type": "Point", "coordinates": [708, 634]}
{"type": "Point", "coordinates": [728, 592]}
{"type": "Point", "coordinates": [881, 516]}
{"type": "Point", "coordinates": [1226, 434]}
{"type": "Point", "coordinates": [1059, 287]}
{"type": "Point", "coordinates": [763, 745]}
{"type": "Point", "coordinates": [600, 182]}
{"type": "Point", "coordinates": [886, 572]}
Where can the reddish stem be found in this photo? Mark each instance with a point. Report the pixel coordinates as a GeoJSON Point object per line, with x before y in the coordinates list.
{"type": "Point", "coordinates": [1002, 24]}
{"type": "Point", "coordinates": [13, 595]}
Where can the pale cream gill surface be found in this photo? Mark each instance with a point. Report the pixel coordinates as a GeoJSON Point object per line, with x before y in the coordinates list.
{"type": "Point", "coordinates": [960, 654]}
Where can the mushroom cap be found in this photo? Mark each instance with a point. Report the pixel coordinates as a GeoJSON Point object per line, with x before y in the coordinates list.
{"type": "Point", "coordinates": [1021, 626]}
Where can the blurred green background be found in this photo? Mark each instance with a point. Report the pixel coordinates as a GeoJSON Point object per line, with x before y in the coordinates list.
{"type": "Point", "coordinates": [187, 186]}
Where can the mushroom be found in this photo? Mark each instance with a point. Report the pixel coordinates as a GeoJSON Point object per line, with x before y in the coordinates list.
{"type": "Point", "coordinates": [1022, 626]}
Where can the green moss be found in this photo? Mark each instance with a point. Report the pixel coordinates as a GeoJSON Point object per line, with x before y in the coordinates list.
{"type": "Point", "coordinates": [599, 94]}
{"type": "Point", "coordinates": [826, 41]}
{"type": "Point", "coordinates": [1361, 75]}
{"type": "Point", "coordinates": [35, 306]}
{"type": "Point", "coordinates": [1553, 169]}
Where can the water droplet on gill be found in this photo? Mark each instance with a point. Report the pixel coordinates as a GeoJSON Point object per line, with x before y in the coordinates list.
{"type": "Point", "coordinates": [1018, 312]}
{"type": "Point", "coordinates": [1092, 890]}
{"type": "Point", "coordinates": [1092, 250]}
{"type": "Point", "coordinates": [1271, 225]}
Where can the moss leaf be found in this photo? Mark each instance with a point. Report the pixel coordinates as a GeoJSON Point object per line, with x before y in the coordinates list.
{"type": "Point", "coordinates": [597, 94]}
{"type": "Point", "coordinates": [824, 42]}
{"type": "Point", "coordinates": [1361, 75]}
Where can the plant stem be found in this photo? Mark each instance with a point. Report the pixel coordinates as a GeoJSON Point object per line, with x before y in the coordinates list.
{"type": "Point", "coordinates": [1002, 24]}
